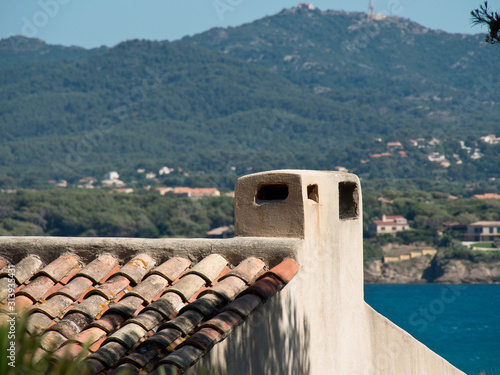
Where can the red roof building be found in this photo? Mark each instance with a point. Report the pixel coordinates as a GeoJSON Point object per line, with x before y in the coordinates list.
{"type": "Point", "coordinates": [389, 225]}
{"type": "Point", "coordinates": [486, 196]}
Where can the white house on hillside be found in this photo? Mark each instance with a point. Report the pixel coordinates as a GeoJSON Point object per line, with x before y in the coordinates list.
{"type": "Point", "coordinates": [482, 231]}
{"type": "Point", "coordinates": [389, 224]}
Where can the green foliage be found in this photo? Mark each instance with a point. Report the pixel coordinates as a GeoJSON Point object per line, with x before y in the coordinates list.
{"type": "Point", "coordinates": [484, 245]}
{"type": "Point", "coordinates": [486, 256]}
{"type": "Point", "coordinates": [458, 251]}
{"type": "Point", "coordinates": [371, 251]}
{"type": "Point", "coordinates": [29, 359]}
{"type": "Point", "coordinates": [81, 212]}
{"type": "Point", "coordinates": [270, 94]}
{"type": "Point", "coordinates": [384, 239]}
{"type": "Point", "coordinates": [416, 235]}
{"type": "Point", "coordinates": [484, 16]}
{"type": "Point", "coordinates": [496, 243]}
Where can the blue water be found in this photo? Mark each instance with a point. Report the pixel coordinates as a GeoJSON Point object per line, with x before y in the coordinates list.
{"type": "Point", "coordinates": [459, 322]}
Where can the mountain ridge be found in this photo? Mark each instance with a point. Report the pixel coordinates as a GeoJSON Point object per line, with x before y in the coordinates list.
{"type": "Point", "coordinates": [216, 107]}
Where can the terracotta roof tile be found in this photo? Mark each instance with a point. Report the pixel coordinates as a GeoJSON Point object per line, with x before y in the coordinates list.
{"type": "Point", "coordinates": [204, 339]}
{"type": "Point", "coordinates": [95, 304]}
{"type": "Point", "coordinates": [23, 303]}
{"type": "Point", "coordinates": [137, 267]}
{"type": "Point", "coordinates": [108, 354]}
{"type": "Point", "coordinates": [111, 288]}
{"type": "Point", "coordinates": [70, 352]}
{"type": "Point", "coordinates": [4, 287]}
{"type": "Point", "coordinates": [184, 322]}
{"type": "Point", "coordinates": [285, 271]}
{"type": "Point", "coordinates": [71, 325]}
{"type": "Point", "coordinates": [125, 369]}
{"type": "Point", "coordinates": [60, 267]}
{"type": "Point", "coordinates": [37, 289]}
{"type": "Point", "coordinates": [52, 290]}
{"type": "Point", "coordinates": [128, 335]}
{"type": "Point", "coordinates": [169, 319]}
{"type": "Point", "coordinates": [109, 321]}
{"type": "Point", "coordinates": [248, 270]}
{"type": "Point", "coordinates": [172, 268]}
{"type": "Point", "coordinates": [265, 287]}
{"type": "Point", "coordinates": [209, 268]}
{"type": "Point", "coordinates": [227, 288]}
{"type": "Point", "coordinates": [3, 262]}
{"type": "Point", "coordinates": [91, 306]}
{"type": "Point", "coordinates": [162, 339]}
{"type": "Point", "coordinates": [206, 304]}
{"type": "Point", "coordinates": [52, 340]}
{"type": "Point", "coordinates": [89, 335]}
{"type": "Point", "coordinates": [99, 268]}
{"type": "Point", "coordinates": [55, 306]}
{"type": "Point", "coordinates": [150, 287]}
{"type": "Point", "coordinates": [141, 357]}
{"type": "Point", "coordinates": [66, 279]}
{"type": "Point", "coordinates": [96, 345]}
{"type": "Point", "coordinates": [94, 366]}
{"type": "Point", "coordinates": [37, 322]}
{"type": "Point", "coordinates": [168, 369]}
{"type": "Point", "coordinates": [244, 305]}
{"type": "Point", "coordinates": [224, 322]}
{"type": "Point", "coordinates": [187, 286]}
{"type": "Point", "coordinates": [126, 307]}
{"type": "Point", "coordinates": [24, 269]}
{"type": "Point", "coordinates": [148, 319]}
{"type": "Point", "coordinates": [183, 357]}
{"type": "Point", "coordinates": [74, 289]}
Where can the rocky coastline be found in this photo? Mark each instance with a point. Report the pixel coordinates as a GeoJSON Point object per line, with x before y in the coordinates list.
{"type": "Point", "coordinates": [431, 270]}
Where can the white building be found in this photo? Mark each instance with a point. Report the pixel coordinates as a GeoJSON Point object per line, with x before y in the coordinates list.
{"type": "Point", "coordinates": [112, 176]}
{"type": "Point", "coordinates": [389, 224]}
{"type": "Point", "coordinates": [165, 170]}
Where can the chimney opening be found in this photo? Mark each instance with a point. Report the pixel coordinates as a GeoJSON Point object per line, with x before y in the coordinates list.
{"type": "Point", "coordinates": [271, 193]}
{"type": "Point", "coordinates": [348, 200]}
{"type": "Point", "coordinates": [312, 193]}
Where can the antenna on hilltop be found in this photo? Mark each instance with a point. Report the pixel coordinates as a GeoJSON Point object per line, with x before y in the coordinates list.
{"type": "Point", "coordinates": [372, 11]}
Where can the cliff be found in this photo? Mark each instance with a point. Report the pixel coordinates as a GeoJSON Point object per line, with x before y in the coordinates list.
{"type": "Point", "coordinates": [425, 270]}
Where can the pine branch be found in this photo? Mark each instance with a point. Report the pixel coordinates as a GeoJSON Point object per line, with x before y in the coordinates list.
{"type": "Point", "coordinates": [483, 16]}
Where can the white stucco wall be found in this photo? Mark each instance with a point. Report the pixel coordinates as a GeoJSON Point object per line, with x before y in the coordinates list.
{"type": "Point", "coordinates": [319, 323]}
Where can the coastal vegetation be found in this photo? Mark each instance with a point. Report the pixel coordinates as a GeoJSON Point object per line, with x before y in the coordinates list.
{"type": "Point", "coordinates": [143, 213]}
{"type": "Point", "coordinates": [76, 212]}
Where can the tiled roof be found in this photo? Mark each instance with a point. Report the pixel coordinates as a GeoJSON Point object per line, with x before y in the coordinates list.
{"type": "Point", "coordinates": [486, 196]}
{"type": "Point", "coordinates": [485, 224]}
{"type": "Point", "coordinates": [141, 315]}
{"type": "Point", "coordinates": [394, 217]}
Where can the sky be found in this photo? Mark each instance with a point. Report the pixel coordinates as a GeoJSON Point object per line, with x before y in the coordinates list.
{"type": "Point", "coordinates": [93, 23]}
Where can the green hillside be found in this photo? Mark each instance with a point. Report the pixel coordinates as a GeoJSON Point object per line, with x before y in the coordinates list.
{"type": "Point", "coordinates": [340, 51]}
{"type": "Point", "coordinates": [301, 89]}
{"type": "Point", "coordinates": [19, 50]}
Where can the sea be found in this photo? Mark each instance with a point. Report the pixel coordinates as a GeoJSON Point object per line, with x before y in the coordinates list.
{"type": "Point", "coordinates": [459, 322]}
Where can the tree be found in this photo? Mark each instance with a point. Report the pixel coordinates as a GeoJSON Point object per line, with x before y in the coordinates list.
{"type": "Point", "coordinates": [483, 16]}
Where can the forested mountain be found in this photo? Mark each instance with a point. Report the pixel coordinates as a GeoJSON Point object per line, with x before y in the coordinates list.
{"type": "Point", "coordinates": [301, 89]}
{"type": "Point", "coordinates": [19, 50]}
{"type": "Point", "coordinates": [387, 56]}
